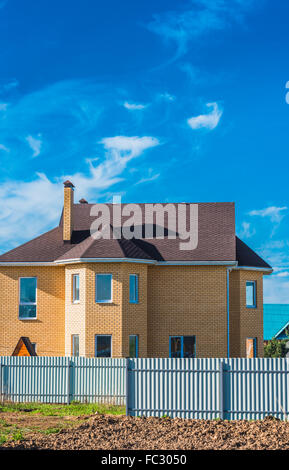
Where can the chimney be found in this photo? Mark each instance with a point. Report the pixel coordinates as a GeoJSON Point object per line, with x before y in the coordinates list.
{"type": "Point", "coordinates": [68, 211]}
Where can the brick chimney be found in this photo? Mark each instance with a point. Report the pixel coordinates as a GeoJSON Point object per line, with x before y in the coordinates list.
{"type": "Point", "coordinates": [68, 211]}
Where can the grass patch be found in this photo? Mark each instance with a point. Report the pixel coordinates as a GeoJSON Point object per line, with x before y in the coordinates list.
{"type": "Point", "coordinates": [73, 409]}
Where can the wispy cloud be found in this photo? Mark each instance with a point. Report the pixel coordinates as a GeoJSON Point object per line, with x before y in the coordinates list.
{"type": "Point", "coordinates": [150, 177]}
{"type": "Point", "coordinates": [247, 231]}
{"type": "Point", "coordinates": [167, 96]}
{"type": "Point", "coordinates": [30, 208]}
{"type": "Point", "coordinates": [275, 214]}
{"type": "Point", "coordinates": [202, 17]}
{"type": "Point", "coordinates": [4, 148]}
{"type": "Point", "coordinates": [208, 121]}
{"type": "Point", "coordinates": [35, 143]}
{"type": "Point", "coordinates": [134, 106]}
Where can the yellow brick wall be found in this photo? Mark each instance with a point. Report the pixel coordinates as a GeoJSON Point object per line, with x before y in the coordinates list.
{"type": "Point", "coordinates": [135, 320]}
{"type": "Point", "coordinates": [75, 316]}
{"type": "Point", "coordinates": [173, 300]}
{"type": "Point", "coordinates": [119, 318]}
{"type": "Point", "coordinates": [187, 300]}
{"type": "Point", "coordinates": [47, 331]}
{"type": "Point", "coordinates": [251, 319]}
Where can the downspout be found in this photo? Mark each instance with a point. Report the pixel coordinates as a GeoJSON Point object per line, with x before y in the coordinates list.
{"type": "Point", "coordinates": [228, 311]}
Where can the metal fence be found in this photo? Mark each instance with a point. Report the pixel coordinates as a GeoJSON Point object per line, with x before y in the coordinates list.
{"type": "Point", "coordinates": [186, 388]}
{"type": "Point", "coordinates": [62, 379]}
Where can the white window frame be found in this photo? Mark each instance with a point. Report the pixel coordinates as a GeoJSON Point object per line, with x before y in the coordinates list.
{"type": "Point", "coordinates": [111, 353]}
{"type": "Point", "coordinates": [73, 289]}
{"type": "Point", "coordinates": [254, 283]}
{"type": "Point", "coordinates": [97, 301]}
{"type": "Point", "coordinates": [27, 303]}
{"type": "Point", "coordinates": [136, 276]}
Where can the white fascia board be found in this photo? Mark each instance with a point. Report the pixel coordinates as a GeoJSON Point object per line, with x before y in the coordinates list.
{"type": "Point", "coordinates": [121, 260]}
{"type": "Point", "coordinates": [144, 261]}
{"type": "Point", "coordinates": [252, 268]}
{"type": "Point", "coordinates": [27, 263]}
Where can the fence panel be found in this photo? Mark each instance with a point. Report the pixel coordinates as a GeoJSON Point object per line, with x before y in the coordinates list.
{"type": "Point", "coordinates": [185, 388]}
{"type": "Point", "coordinates": [255, 388]}
{"type": "Point", "coordinates": [38, 379]}
{"type": "Point", "coordinates": [62, 379]}
{"type": "Point", "coordinates": [99, 380]}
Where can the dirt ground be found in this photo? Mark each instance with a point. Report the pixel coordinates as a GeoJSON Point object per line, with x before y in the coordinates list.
{"type": "Point", "coordinates": [120, 432]}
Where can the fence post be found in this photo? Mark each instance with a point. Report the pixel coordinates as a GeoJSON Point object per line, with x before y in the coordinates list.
{"type": "Point", "coordinates": [221, 389]}
{"type": "Point", "coordinates": [1, 386]}
{"type": "Point", "coordinates": [127, 386]}
{"type": "Point", "coordinates": [68, 383]}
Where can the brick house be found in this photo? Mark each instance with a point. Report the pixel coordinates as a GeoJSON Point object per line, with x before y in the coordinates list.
{"type": "Point", "coordinates": [72, 294]}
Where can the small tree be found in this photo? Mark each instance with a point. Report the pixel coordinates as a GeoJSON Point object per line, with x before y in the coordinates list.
{"type": "Point", "coordinates": [277, 347]}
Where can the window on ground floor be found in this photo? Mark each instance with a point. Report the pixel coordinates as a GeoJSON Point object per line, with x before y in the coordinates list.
{"type": "Point", "coordinates": [75, 345]}
{"type": "Point", "coordinates": [27, 297]}
{"type": "Point", "coordinates": [102, 346]}
{"type": "Point", "coordinates": [251, 347]}
{"type": "Point", "coordinates": [103, 288]}
{"type": "Point", "coordinates": [251, 294]}
{"type": "Point", "coordinates": [133, 346]}
{"type": "Point", "coordinates": [182, 346]}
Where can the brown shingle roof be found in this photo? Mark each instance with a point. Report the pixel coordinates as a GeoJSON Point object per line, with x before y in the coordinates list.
{"type": "Point", "coordinates": [216, 241]}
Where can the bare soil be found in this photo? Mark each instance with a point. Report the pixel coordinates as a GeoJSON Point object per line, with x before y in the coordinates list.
{"type": "Point", "coordinates": [128, 433]}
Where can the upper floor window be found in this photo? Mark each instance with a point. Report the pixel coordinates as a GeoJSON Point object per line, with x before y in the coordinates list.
{"type": "Point", "coordinates": [103, 288]}
{"type": "Point", "coordinates": [27, 297]}
{"type": "Point", "coordinates": [133, 288]}
{"type": "Point", "coordinates": [251, 294]}
{"type": "Point", "coordinates": [75, 288]}
{"type": "Point", "coordinates": [182, 346]}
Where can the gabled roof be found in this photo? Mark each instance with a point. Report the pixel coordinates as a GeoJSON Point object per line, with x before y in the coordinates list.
{"type": "Point", "coordinates": [276, 320]}
{"type": "Point", "coordinates": [24, 347]}
{"type": "Point", "coordinates": [217, 242]}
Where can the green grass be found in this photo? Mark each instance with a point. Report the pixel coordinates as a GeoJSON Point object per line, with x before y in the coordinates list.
{"type": "Point", "coordinates": [74, 409]}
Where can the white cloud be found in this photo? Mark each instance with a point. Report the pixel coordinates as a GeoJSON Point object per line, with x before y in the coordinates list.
{"type": "Point", "coordinates": [30, 208]}
{"type": "Point", "coordinates": [134, 106]}
{"type": "Point", "coordinates": [283, 274]}
{"type": "Point", "coordinates": [35, 144]}
{"type": "Point", "coordinates": [208, 121]}
{"type": "Point", "coordinates": [167, 96]}
{"type": "Point", "coordinates": [4, 148]}
{"type": "Point", "coordinates": [202, 17]}
{"type": "Point", "coordinates": [274, 213]}
{"type": "Point", "coordinates": [276, 290]}
{"type": "Point", "coordinates": [247, 231]}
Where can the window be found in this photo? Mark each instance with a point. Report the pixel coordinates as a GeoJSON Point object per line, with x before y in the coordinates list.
{"type": "Point", "coordinates": [103, 289]}
{"type": "Point", "coordinates": [75, 288]}
{"type": "Point", "coordinates": [251, 347]}
{"type": "Point", "coordinates": [182, 346]}
{"type": "Point", "coordinates": [251, 294]}
{"type": "Point", "coordinates": [102, 345]}
{"type": "Point", "coordinates": [27, 298]}
{"type": "Point", "coordinates": [75, 345]}
{"type": "Point", "coordinates": [133, 346]}
{"type": "Point", "coordinates": [133, 288]}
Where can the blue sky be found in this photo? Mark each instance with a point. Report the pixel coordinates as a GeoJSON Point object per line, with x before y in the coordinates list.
{"type": "Point", "coordinates": [154, 100]}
